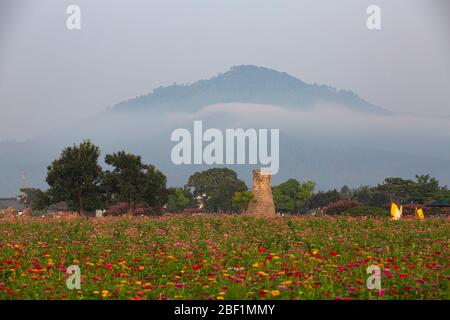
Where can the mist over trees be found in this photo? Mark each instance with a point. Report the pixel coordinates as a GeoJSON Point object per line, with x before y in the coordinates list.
{"type": "Point", "coordinates": [77, 179]}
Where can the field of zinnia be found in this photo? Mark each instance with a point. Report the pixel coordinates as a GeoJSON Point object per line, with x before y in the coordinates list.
{"type": "Point", "coordinates": [224, 257]}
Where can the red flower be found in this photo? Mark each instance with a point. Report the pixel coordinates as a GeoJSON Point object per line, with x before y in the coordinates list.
{"type": "Point", "coordinates": [333, 253]}
{"type": "Point", "coordinates": [403, 275]}
{"type": "Point", "coordinates": [261, 250]}
{"type": "Point", "coordinates": [197, 266]}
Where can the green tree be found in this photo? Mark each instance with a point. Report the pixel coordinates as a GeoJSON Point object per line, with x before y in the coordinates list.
{"type": "Point", "coordinates": [134, 182]}
{"type": "Point", "coordinates": [323, 199]}
{"type": "Point", "coordinates": [180, 199]}
{"type": "Point", "coordinates": [442, 195]}
{"type": "Point", "coordinates": [371, 196]}
{"type": "Point", "coordinates": [241, 200]}
{"type": "Point", "coordinates": [215, 188]}
{"type": "Point", "coordinates": [155, 193]}
{"type": "Point", "coordinates": [75, 177]}
{"type": "Point", "coordinates": [397, 189]}
{"type": "Point", "coordinates": [424, 189]}
{"type": "Point", "coordinates": [35, 198]}
{"type": "Point", "coordinates": [292, 196]}
{"type": "Point", "coordinates": [305, 193]}
{"type": "Point", "coordinates": [407, 190]}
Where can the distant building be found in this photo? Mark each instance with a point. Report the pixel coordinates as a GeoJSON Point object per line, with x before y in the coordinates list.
{"type": "Point", "coordinates": [58, 207]}
{"type": "Point", "coordinates": [12, 203]}
{"type": "Point", "coordinates": [439, 204]}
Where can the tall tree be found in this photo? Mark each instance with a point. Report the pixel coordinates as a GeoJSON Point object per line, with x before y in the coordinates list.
{"type": "Point", "coordinates": [241, 200]}
{"type": "Point", "coordinates": [425, 187]}
{"type": "Point", "coordinates": [180, 199]}
{"type": "Point", "coordinates": [292, 195]}
{"type": "Point", "coordinates": [75, 177]}
{"type": "Point", "coordinates": [215, 188]}
{"type": "Point", "coordinates": [35, 198]}
{"type": "Point", "coordinates": [134, 182]}
{"type": "Point", "coordinates": [155, 193]}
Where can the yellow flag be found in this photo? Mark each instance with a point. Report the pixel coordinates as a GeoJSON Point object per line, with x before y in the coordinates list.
{"type": "Point", "coordinates": [395, 212]}
{"type": "Point", "coordinates": [419, 214]}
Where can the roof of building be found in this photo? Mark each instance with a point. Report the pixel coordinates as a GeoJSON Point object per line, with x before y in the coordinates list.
{"type": "Point", "coordinates": [440, 204]}
{"type": "Point", "coordinates": [6, 203]}
{"type": "Point", "coordinates": [58, 206]}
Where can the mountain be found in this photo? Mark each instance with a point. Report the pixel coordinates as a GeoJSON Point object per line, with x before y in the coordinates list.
{"type": "Point", "coordinates": [245, 84]}
{"type": "Point", "coordinates": [329, 136]}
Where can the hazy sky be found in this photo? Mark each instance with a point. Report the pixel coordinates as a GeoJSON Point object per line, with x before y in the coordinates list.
{"type": "Point", "coordinates": [51, 76]}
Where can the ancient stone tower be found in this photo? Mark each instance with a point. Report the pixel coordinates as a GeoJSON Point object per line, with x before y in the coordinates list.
{"type": "Point", "coordinates": [262, 202]}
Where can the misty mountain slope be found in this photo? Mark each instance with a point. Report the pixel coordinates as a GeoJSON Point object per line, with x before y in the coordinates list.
{"type": "Point", "coordinates": [309, 148]}
{"type": "Point", "coordinates": [331, 137]}
{"type": "Point", "coordinates": [247, 84]}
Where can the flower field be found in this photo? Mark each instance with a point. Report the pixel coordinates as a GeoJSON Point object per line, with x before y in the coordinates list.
{"type": "Point", "coordinates": [225, 257]}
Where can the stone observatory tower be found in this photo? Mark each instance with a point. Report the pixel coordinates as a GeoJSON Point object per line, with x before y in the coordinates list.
{"type": "Point", "coordinates": [262, 202]}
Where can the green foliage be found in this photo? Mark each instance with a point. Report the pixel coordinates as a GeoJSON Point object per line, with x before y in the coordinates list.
{"type": "Point", "coordinates": [215, 188]}
{"type": "Point", "coordinates": [292, 195]}
{"type": "Point", "coordinates": [371, 196]}
{"type": "Point", "coordinates": [75, 177]}
{"type": "Point", "coordinates": [35, 198]}
{"type": "Point", "coordinates": [180, 199]}
{"type": "Point", "coordinates": [241, 200]}
{"type": "Point", "coordinates": [424, 188]}
{"type": "Point", "coordinates": [134, 182]}
{"type": "Point", "coordinates": [340, 206]}
{"type": "Point", "coordinates": [442, 195]}
{"type": "Point", "coordinates": [366, 211]}
{"type": "Point", "coordinates": [323, 199]}
{"type": "Point", "coordinates": [401, 190]}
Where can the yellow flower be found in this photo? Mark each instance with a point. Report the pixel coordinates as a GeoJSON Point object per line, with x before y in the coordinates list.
{"type": "Point", "coordinates": [275, 293]}
{"type": "Point", "coordinates": [105, 293]}
{"type": "Point", "coordinates": [138, 283]}
{"type": "Point", "coordinates": [315, 251]}
{"type": "Point", "coordinates": [95, 292]}
{"type": "Point", "coordinates": [50, 261]}
{"type": "Point", "coordinates": [220, 298]}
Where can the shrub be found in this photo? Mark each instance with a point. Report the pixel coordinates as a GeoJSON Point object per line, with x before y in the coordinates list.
{"type": "Point", "coordinates": [366, 211]}
{"type": "Point", "coordinates": [340, 206]}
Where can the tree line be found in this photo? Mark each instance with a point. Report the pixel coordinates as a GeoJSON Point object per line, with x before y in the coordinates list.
{"type": "Point", "coordinates": [77, 178]}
